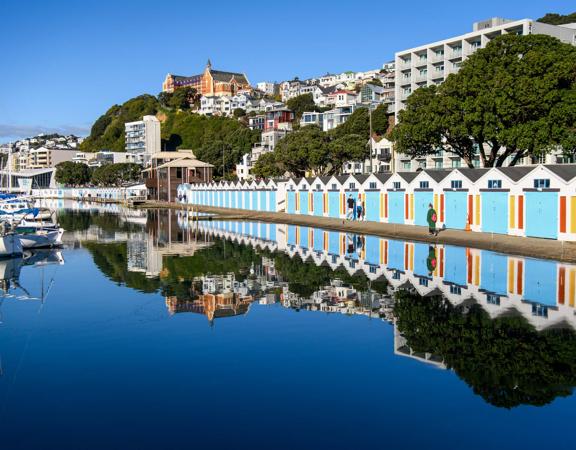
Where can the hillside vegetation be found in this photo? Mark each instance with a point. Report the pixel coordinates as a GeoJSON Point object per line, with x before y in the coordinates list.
{"type": "Point", "coordinates": [558, 19]}
{"type": "Point", "coordinates": [217, 140]}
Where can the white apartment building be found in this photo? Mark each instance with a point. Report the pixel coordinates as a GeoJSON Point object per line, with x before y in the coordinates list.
{"type": "Point", "coordinates": [267, 87]}
{"type": "Point", "coordinates": [142, 139]}
{"type": "Point", "coordinates": [431, 63]}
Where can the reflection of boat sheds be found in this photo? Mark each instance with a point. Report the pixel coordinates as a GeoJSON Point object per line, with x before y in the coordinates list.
{"type": "Point", "coordinates": [213, 306]}
{"type": "Point", "coordinates": [542, 291]}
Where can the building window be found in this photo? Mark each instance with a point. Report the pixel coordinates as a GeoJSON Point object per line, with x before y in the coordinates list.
{"type": "Point", "coordinates": [424, 185]}
{"type": "Point", "coordinates": [542, 183]}
{"type": "Point", "coordinates": [396, 185]}
{"type": "Point", "coordinates": [455, 163]}
{"type": "Point", "coordinates": [352, 186]}
{"type": "Point", "coordinates": [456, 290]}
{"type": "Point", "coordinates": [456, 184]}
{"type": "Point", "coordinates": [494, 184]}
{"type": "Point", "coordinates": [396, 275]}
{"type": "Point", "coordinates": [423, 281]}
{"type": "Point", "coordinates": [372, 269]}
{"type": "Point", "coordinates": [334, 188]}
{"type": "Point", "coordinates": [438, 164]}
{"type": "Point", "coordinates": [406, 165]}
{"type": "Point", "coordinates": [372, 185]}
{"type": "Point", "coordinates": [318, 187]}
{"type": "Point", "coordinates": [493, 299]}
{"type": "Point", "coordinates": [539, 311]}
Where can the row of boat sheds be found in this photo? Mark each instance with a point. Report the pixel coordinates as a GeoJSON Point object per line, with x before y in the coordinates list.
{"type": "Point", "coordinates": [536, 201]}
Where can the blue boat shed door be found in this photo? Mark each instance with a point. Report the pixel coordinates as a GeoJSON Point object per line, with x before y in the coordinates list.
{"type": "Point", "coordinates": [456, 209]}
{"type": "Point", "coordinates": [542, 214]}
{"type": "Point", "coordinates": [495, 212]}
{"type": "Point", "coordinates": [396, 206]}
{"type": "Point", "coordinates": [421, 201]}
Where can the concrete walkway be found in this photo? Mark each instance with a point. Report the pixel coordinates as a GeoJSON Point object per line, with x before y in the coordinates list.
{"type": "Point", "coordinates": [521, 246]}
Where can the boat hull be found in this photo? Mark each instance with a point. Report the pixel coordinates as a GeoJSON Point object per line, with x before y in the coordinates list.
{"type": "Point", "coordinates": [10, 245]}
{"type": "Point", "coordinates": [42, 238]}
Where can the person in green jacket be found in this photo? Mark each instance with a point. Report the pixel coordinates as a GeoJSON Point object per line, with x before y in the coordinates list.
{"type": "Point", "coordinates": [432, 218]}
{"type": "Point", "coordinates": [431, 261]}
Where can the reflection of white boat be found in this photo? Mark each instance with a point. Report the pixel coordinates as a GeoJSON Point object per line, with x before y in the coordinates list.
{"type": "Point", "coordinates": [10, 245]}
{"type": "Point", "coordinates": [40, 238]}
{"type": "Point", "coordinates": [10, 271]}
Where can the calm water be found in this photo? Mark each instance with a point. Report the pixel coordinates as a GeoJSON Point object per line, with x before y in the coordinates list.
{"type": "Point", "coordinates": [148, 331]}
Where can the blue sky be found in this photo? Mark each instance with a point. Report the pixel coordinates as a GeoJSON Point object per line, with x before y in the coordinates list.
{"type": "Point", "coordinates": [63, 63]}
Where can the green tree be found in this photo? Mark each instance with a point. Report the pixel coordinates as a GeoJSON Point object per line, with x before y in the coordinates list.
{"type": "Point", "coordinates": [184, 98]}
{"type": "Point", "coordinates": [558, 19]}
{"type": "Point", "coordinates": [70, 173]}
{"type": "Point", "coordinates": [358, 123]}
{"type": "Point", "coordinates": [300, 104]}
{"type": "Point", "coordinates": [302, 150]}
{"type": "Point", "coordinates": [351, 147]}
{"type": "Point", "coordinates": [164, 99]}
{"type": "Point", "coordinates": [514, 98]}
{"type": "Point", "coordinates": [431, 123]}
{"type": "Point", "coordinates": [239, 112]}
{"type": "Point", "coordinates": [116, 174]}
{"type": "Point", "coordinates": [267, 167]}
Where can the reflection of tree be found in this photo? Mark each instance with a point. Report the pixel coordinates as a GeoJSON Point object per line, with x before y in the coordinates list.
{"type": "Point", "coordinates": [74, 220]}
{"type": "Point", "coordinates": [177, 273]}
{"type": "Point", "coordinates": [304, 278]}
{"type": "Point", "coordinates": [505, 360]}
{"type": "Point", "coordinates": [81, 220]}
{"type": "Point", "coordinates": [112, 260]}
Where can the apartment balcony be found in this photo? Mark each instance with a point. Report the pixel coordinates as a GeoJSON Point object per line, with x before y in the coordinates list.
{"type": "Point", "coordinates": [421, 78]}
{"type": "Point", "coordinates": [385, 157]}
{"type": "Point", "coordinates": [405, 64]}
{"type": "Point", "coordinates": [435, 58]}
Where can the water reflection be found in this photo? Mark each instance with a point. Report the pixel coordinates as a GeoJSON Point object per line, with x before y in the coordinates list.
{"type": "Point", "coordinates": [503, 324]}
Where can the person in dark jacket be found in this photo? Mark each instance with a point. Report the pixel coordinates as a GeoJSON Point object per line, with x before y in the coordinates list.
{"type": "Point", "coordinates": [431, 261]}
{"type": "Point", "coordinates": [432, 218]}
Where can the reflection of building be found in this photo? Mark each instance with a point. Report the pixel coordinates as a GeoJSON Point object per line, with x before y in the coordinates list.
{"type": "Point", "coordinates": [213, 306]}
{"type": "Point", "coordinates": [163, 238]}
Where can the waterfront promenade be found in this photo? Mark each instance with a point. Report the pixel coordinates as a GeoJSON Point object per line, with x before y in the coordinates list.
{"type": "Point", "coordinates": [522, 246]}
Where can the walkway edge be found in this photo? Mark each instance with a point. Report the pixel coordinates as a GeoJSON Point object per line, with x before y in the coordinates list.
{"type": "Point", "coordinates": [522, 246]}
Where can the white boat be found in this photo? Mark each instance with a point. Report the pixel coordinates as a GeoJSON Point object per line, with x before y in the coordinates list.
{"type": "Point", "coordinates": [40, 238]}
{"type": "Point", "coordinates": [16, 209]}
{"type": "Point", "coordinates": [10, 245]}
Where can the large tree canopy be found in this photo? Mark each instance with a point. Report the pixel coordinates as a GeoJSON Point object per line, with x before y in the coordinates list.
{"type": "Point", "coordinates": [514, 98]}
{"type": "Point", "coordinates": [70, 173]}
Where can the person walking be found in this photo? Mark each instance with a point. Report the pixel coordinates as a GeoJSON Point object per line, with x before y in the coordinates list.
{"type": "Point", "coordinates": [359, 211]}
{"type": "Point", "coordinates": [350, 207]}
{"type": "Point", "coordinates": [431, 261]}
{"type": "Point", "coordinates": [432, 218]}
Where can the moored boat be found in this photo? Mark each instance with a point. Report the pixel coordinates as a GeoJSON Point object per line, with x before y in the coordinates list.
{"type": "Point", "coordinates": [31, 237]}
{"type": "Point", "coordinates": [10, 245]}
